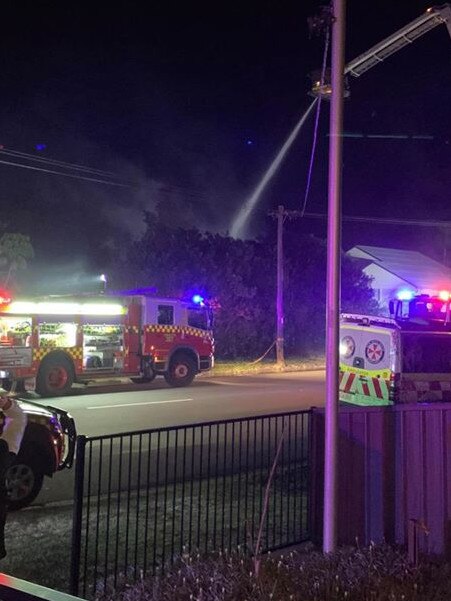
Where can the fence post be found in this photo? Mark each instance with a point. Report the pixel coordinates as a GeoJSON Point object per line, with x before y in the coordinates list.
{"type": "Point", "coordinates": [315, 474]}
{"type": "Point", "coordinates": [77, 515]}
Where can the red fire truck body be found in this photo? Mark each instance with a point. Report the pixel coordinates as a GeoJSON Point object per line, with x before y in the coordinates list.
{"type": "Point", "coordinates": [50, 343]}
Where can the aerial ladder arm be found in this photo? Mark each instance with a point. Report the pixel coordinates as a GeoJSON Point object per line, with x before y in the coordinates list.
{"type": "Point", "coordinates": [434, 16]}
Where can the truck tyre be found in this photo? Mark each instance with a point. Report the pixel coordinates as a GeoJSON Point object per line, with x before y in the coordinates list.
{"type": "Point", "coordinates": [23, 481]}
{"type": "Point", "coordinates": [182, 370]}
{"type": "Point", "coordinates": [55, 376]}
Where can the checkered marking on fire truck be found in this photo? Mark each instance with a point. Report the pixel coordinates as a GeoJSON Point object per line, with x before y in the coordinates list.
{"type": "Point", "coordinates": [374, 351]}
{"type": "Point", "coordinates": [132, 329]}
{"type": "Point", "coordinates": [188, 330]}
{"type": "Point", "coordinates": [354, 383]}
{"type": "Point", "coordinates": [76, 352]}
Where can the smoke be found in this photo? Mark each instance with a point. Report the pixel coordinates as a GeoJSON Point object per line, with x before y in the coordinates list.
{"type": "Point", "coordinates": [58, 277]}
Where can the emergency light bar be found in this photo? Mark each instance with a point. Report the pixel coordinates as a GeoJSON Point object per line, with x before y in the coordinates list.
{"type": "Point", "coordinates": [52, 308]}
{"type": "Point", "coordinates": [405, 295]}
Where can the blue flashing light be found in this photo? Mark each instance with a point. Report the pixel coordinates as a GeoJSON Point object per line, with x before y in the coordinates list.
{"type": "Point", "coordinates": [198, 299]}
{"type": "Point", "coordinates": [40, 146]}
{"type": "Point", "coordinates": [405, 295]}
{"type": "Point", "coordinates": [249, 142]}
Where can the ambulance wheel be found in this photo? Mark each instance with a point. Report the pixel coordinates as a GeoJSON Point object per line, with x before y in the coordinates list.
{"type": "Point", "coordinates": [55, 376]}
{"type": "Point", "coordinates": [181, 372]}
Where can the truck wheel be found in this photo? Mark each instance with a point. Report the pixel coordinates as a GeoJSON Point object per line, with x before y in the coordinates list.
{"type": "Point", "coordinates": [23, 482]}
{"type": "Point", "coordinates": [55, 376]}
{"type": "Point", "coordinates": [181, 372]}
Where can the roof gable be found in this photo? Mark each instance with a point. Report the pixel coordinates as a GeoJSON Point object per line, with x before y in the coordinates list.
{"type": "Point", "coordinates": [412, 266]}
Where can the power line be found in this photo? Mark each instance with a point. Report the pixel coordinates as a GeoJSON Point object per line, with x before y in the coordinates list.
{"type": "Point", "coordinates": [315, 128]}
{"type": "Point", "coordinates": [418, 222]}
{"type": "Point", "coordinates": [80, 177]}
{"type": "Point", "coordinates": [163, 187]}
{"type": "Point", "coordinates": [63, 164]}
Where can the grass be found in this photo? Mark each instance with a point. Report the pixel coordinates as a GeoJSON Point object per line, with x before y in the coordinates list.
{"type": "Point", "coordinates": [38, 542]}
{"type": "Point", "coordinates": [202, 516]}
{"type": "Point", "coordinates": [245, 367]}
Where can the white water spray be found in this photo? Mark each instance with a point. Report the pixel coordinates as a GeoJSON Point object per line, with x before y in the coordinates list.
{"type": "Point", "coordinates": [240, 221]}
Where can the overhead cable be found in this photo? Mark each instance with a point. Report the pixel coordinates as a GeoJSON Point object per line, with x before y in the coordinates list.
{"type": "Point", "coordinates": [315, 128]}
{"type": "Point", "coordinates": [73, 176]}
{"type": "Point", "coordinates": [63, 164]}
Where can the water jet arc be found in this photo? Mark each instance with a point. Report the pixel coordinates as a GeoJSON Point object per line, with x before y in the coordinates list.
{"type": "Point", "coordinates": [243, 215]}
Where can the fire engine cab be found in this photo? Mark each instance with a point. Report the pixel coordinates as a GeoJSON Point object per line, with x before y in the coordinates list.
{"type": "Point", "coordinates": [404, 358]}
{"type": "Point", "coordinates": [49, 343]}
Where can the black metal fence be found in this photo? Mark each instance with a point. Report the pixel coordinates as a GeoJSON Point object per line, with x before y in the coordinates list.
{"type": "Point", "coordinates": [144, 498]}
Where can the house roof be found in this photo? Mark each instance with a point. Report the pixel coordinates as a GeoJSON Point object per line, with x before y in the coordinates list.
{"type": "Point", "coordinates": [422, 272]}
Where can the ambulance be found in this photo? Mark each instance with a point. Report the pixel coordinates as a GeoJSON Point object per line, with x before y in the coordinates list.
{"type": "Point", "coordinates": [404, 358]}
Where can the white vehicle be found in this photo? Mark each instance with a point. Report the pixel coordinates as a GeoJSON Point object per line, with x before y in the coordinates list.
{"type": "Point", "coordinates": [402, 359]}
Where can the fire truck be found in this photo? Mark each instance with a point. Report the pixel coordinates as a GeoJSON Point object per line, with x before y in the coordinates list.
{"type": "Point", "coordinates": [48, 343]}
{"type": "Point", "coordinates": [404, 358]}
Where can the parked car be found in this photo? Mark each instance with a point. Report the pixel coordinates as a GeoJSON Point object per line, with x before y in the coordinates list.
{"type": "Point", "coordinates": [48, 446]}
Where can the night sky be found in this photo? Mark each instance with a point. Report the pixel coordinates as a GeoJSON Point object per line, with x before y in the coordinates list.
{"type": "Point", "coordinates": [191, 105]}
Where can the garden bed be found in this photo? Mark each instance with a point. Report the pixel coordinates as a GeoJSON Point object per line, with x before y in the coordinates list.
{"type": "Point", "coordinates": [375, 573]}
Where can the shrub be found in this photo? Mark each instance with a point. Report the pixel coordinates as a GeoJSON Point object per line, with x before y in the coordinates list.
{"type": "Point", "coordinates": [375, 573]}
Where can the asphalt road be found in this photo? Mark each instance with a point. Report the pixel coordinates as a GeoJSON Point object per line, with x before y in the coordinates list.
{"type": "Point", "coordinates": [110, 409]}
{"type": "Point", "coordinates": [120, 408]}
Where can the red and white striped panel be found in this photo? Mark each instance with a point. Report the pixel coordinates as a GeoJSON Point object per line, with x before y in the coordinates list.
{"type": "Point", "coordinates": [365, 385]}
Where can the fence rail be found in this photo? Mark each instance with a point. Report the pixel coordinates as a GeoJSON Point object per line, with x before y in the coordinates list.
{"type": "Point", "coordinates": [394, 476]}
{"type": "Point", "coordinates": [144, 498]}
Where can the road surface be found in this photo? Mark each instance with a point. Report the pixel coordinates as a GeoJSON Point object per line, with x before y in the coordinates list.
{"type": "Point", "coordinates": [110, 409]}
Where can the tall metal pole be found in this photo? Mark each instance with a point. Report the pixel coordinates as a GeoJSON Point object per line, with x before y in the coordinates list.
{"type": "Point", "coordinates": [333, 278]}
{"type": "Point", "coordinates": [279, 301]}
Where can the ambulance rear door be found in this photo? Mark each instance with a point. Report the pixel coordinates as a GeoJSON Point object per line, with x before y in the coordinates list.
{"type": "Point", "coordinates": [367, 363]}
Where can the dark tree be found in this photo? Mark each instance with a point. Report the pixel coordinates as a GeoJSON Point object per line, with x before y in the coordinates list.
{"type": "Point", "coordinates": [241, 276]}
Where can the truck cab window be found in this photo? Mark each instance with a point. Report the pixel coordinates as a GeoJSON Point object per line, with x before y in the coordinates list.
{"type": "Point", "coordinates": [198, 318]}
{"type": "Point", "coordinates": [165, 315]}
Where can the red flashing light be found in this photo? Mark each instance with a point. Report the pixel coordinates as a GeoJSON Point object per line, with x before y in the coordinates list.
{"type": "Point", "coordinates": [5, 297]}
{"type": "Point", "coordinates": [444, 295]}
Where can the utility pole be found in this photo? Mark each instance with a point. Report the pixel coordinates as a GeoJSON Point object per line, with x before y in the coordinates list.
{"type": "Point", "coordinates": [333, 278]}
{"type": "Point", "coordinates": [281, 214]}
{"type": "Point", "coordinates": [280, 359]}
